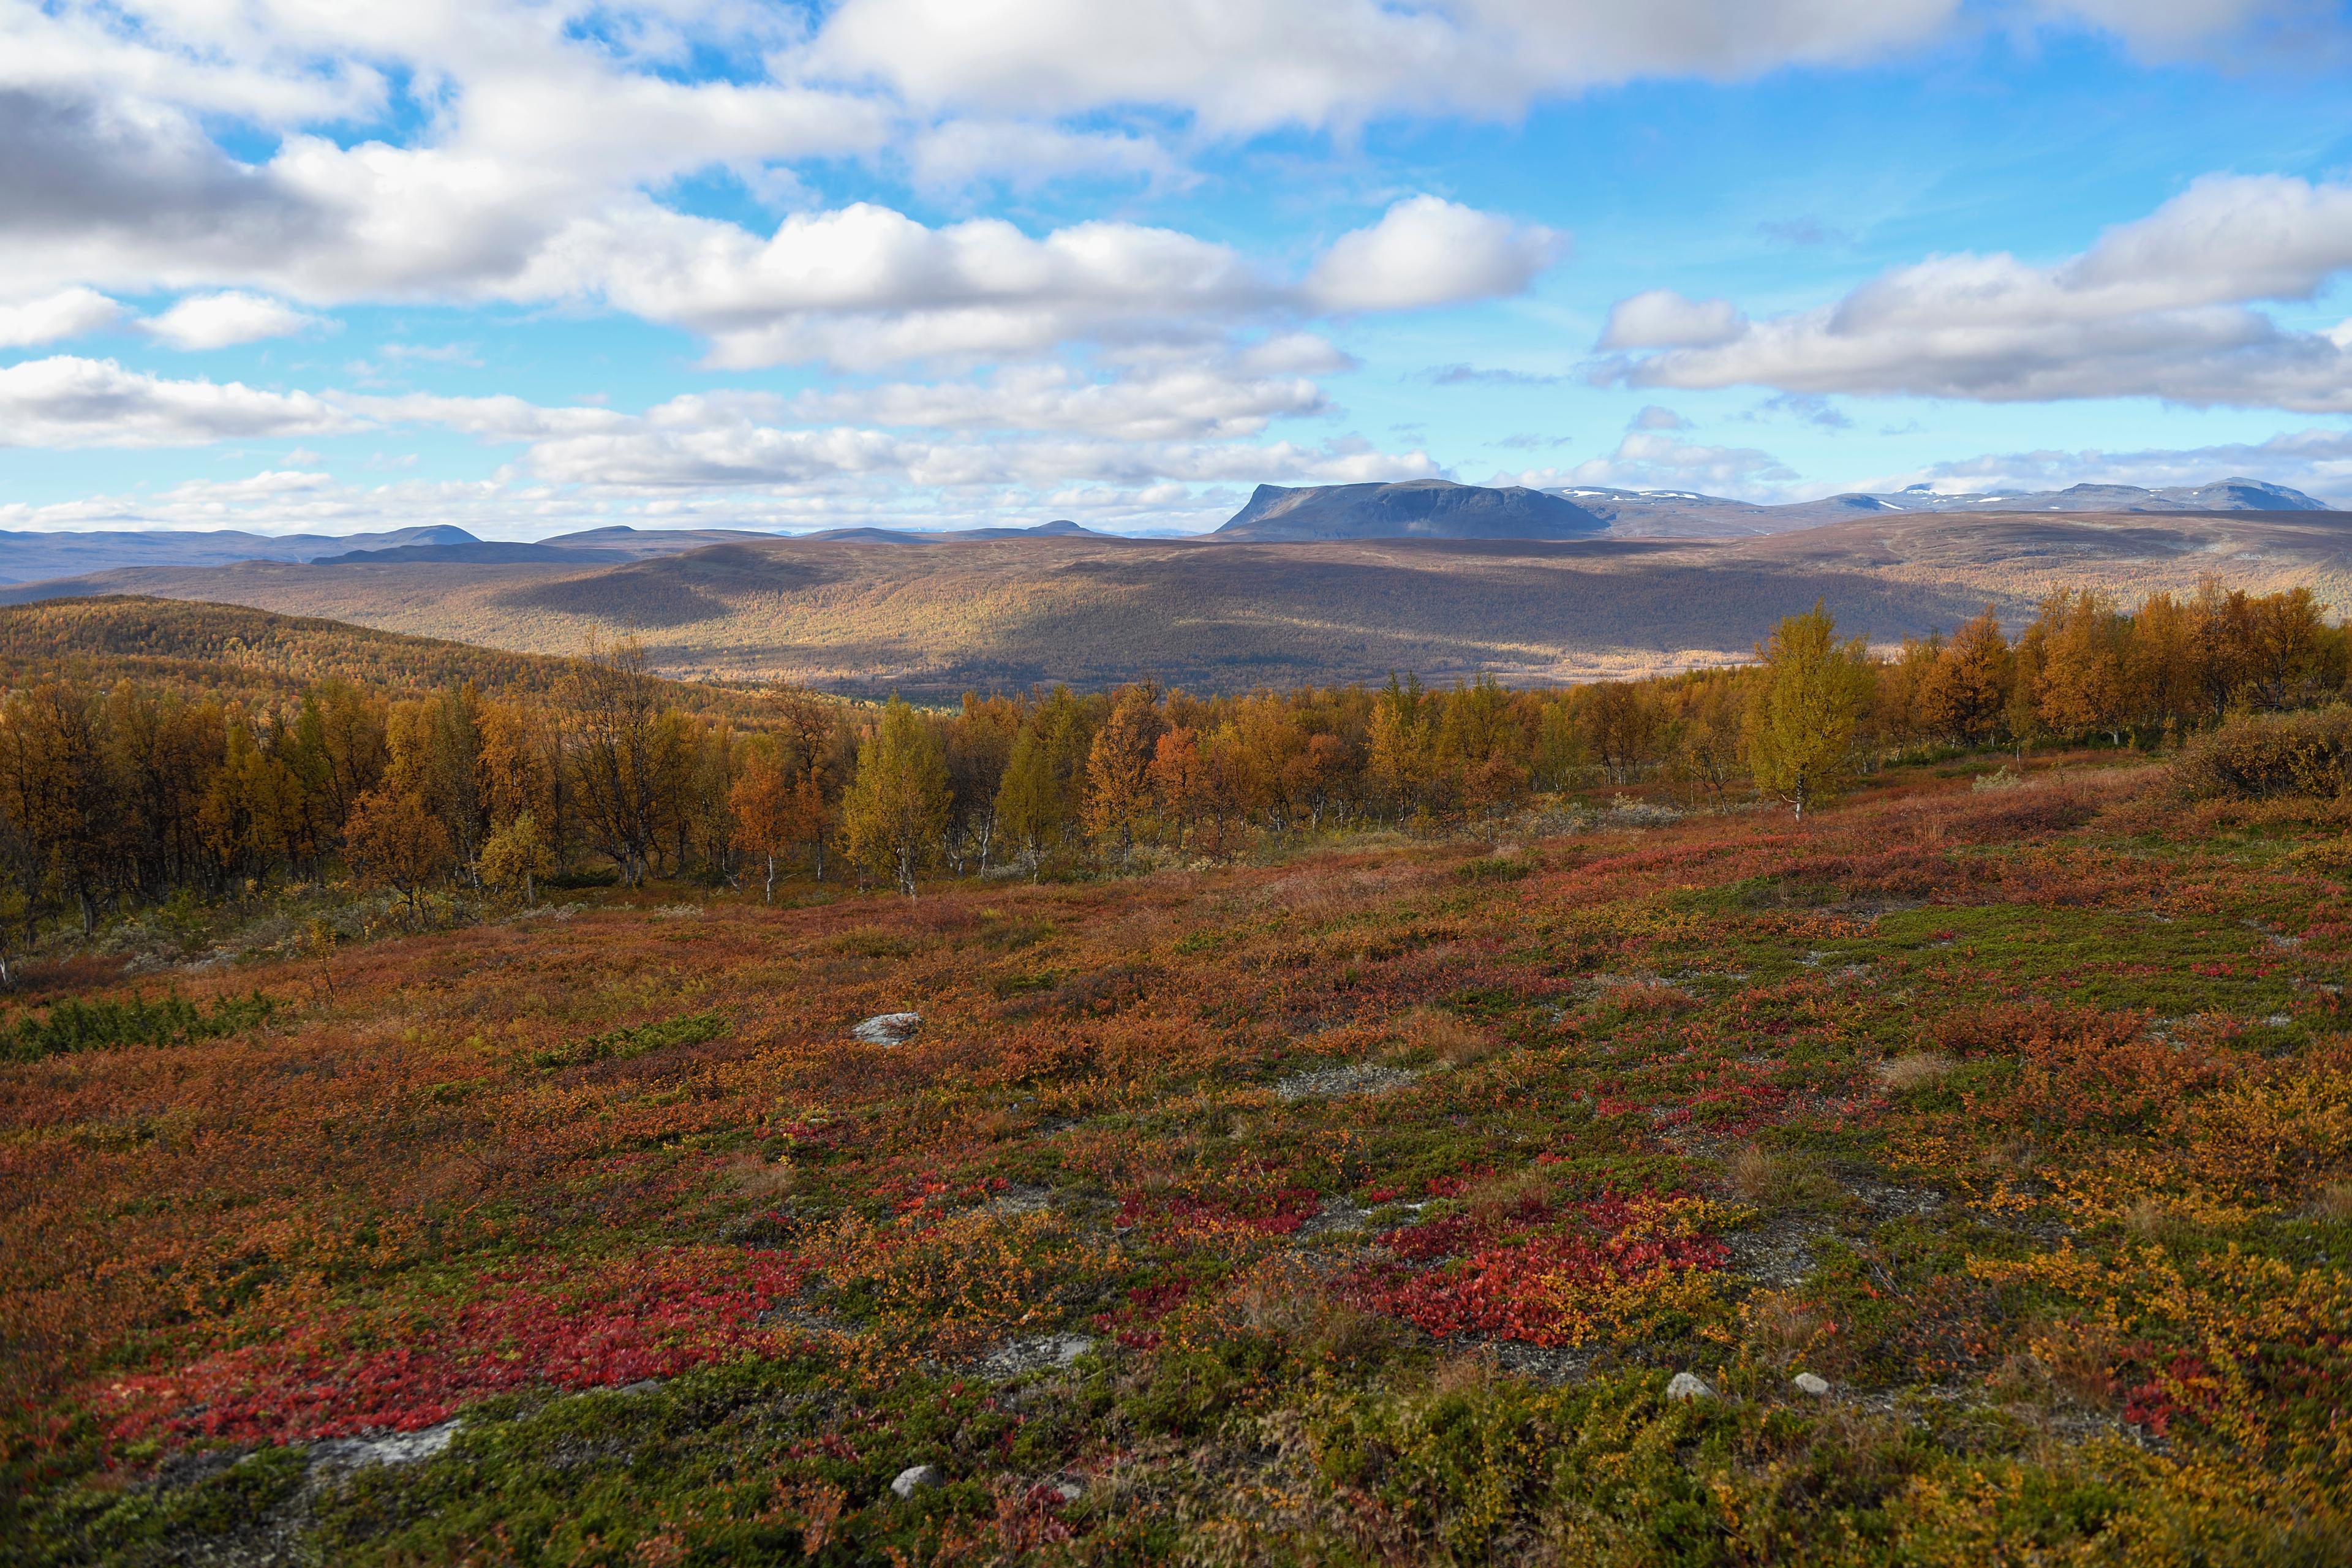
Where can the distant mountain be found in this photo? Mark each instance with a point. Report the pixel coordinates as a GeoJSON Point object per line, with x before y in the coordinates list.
{"type": "Point", "coordinates": [33, 557]}
{"type": "Point", "coordinates": [479, 552]}
{"type": "Point", "coordinates": [1414, 509]}
{"type": "Point", "coordinates": [39, 557]}
{"type": "Point", "coordinates": [1689, 514]}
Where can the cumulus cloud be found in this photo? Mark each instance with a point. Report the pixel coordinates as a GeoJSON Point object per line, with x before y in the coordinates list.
{"type": "Point", "coordinates": [1429, 251]}
{"type": "Point", "coordinates": [1246, 66]}
{"type": "Point", "coordinates": [1657, 460]}
{"type": "Point", "coordinates": [1209, 399]}
{"type": "Point", "coordinates": [64, 401]}
{"type": "Point", "coordinates": [749, 454]}
{"type": "Point", "coordinates": [2159, 307]}
{"type": "Point", "coordinates": [1025, 155]}
{"type": "Point", "coordinates": [220, 321]}
{"type": "Point", "coordinates": [864, 286]}
{"type": "Point", "coordinates": [68, 313]}
{"type": "Point", "coordinates": [1660, 319]}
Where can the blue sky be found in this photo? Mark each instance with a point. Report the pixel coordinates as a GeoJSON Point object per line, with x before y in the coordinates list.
{"type": "Point", "coordinates": [530, 268]}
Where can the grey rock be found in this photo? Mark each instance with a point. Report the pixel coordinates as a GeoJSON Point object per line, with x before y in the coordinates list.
{"type": "Point", "coordinates": [888, 1029]}
{"type": "Point", "coordinates": [384, 1448]}
{"type": "Point", "coordinates": [914, 1479]}
{"type": "Point", "coordinates": [1036, 1354]}
{"type": "Point", "coordinates": [1689, 1385]}
{"type": "Point", "coordinates": [1812, 1382]}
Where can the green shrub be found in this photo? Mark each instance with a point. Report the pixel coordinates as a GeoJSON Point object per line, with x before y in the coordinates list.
{"type": "Point", "coordinates": [620, 1044]}
{"type": "Point", "coordinates": [96, 1025]}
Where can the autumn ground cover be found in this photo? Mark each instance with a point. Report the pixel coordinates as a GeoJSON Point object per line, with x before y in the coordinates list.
{"type": "Point", "coordinates": [1356, 1204]}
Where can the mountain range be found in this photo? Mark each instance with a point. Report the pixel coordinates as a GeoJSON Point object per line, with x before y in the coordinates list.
{"type": "Point", "coordinates": [1413, 509]}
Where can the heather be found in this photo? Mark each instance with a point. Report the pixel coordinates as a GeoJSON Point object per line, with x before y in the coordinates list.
{"type": "Point", "coordinates": [1353, 1200]}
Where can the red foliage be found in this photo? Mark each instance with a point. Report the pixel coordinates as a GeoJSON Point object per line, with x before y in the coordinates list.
{"type": "Point", "coordinates": [574, 1327]}
{"type": "Point", "coordinates": [1521, 1286]}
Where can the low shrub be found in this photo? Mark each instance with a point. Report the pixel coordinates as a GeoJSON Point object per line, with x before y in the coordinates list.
{"type": "Point", "coordinates": [620, 1044]}
{"type": "Point", "coordinates": [2261, 756]}
{"type": "Point", "coordinates": [96, 1025]}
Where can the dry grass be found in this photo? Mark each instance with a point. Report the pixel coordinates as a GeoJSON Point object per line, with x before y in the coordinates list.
{"type": "Point", "coordinates": [2334, 1203]}
{"type": "Point", "coordinates": [1913, 1071]}
{"type": "Point", "coordinates": [1770, 1179]}
{"type": "Point", "coordinates": [1447, 1036]}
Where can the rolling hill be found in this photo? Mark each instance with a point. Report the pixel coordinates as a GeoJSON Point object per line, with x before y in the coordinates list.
{"type": "Point", "coordinates": [931, 615]}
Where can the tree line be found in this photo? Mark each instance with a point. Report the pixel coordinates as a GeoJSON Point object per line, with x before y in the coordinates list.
{"type": "Point", "coordinates": [113, 797]}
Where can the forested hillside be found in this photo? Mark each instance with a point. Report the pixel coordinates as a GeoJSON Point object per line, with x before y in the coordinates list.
{"type": "Point", "coordinates": [141, 773]}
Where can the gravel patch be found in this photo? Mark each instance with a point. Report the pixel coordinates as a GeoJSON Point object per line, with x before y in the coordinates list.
{"type": "Point", "coordinates": [1332, 1083]}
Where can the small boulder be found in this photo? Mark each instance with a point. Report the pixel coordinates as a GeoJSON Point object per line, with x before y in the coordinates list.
{"type": "Point", "coordinates": [1812, 1382]}
{"type": "Point", "coordinates": [1689, 1385]}
{"type": "Point", "coordinates": [888, 1029]}
{"type": "Point", "coordinates": [914, 1479]}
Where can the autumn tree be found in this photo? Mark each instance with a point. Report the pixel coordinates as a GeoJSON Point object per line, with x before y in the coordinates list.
{"type": "Point", "coordinates": [395, 841]}
{"type": "Point", "coordinates": [1402, 762]}
{"type": "Point", "coordinates": [897, 806]}
{"type": "Point", "coordinates": [762, 804]}
{"type": "Point", "coordinates": [516, 856]}
{"type": "Point", "coordinates": [1179, 781]}
{"type": "Point", "coordinates": [1801, 725]}
{"type": "Point", "coordinates": [1964, 696]}
{"type": "Point", "coordinates": [618, 709]}
{"type": "Point", "coordinates": [1119, 769]}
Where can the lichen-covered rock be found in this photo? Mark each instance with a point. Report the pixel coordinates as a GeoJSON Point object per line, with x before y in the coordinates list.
{"type": "Point", "coordinates": [888, 1029]}
{"type": "Point", "coordinates": [1689, 1385]}
{"type": "Point", "coordinates": [914, 1479]}
{"type": "Point", "coordinates": [1812, 1382]}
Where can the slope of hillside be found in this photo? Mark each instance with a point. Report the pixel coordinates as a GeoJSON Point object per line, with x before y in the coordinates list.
{"type": "Point", "coordinates": [237, 652]}
{"type": "Point", "coordinates": [1959, 1176]}
{"type": "Point", "coordinates": [931, 616]}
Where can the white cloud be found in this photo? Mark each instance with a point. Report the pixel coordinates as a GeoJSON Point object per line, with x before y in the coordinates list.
{"type": "Point", "coordinates": [68, 313]}
{"type": "Point", "coordinates": [64, 401]}
{"type": "Point", "coordinates": [220, 321]}
{"type": "Point", "coordinates": [1660, 319]}
{"type": "Point", "coordinates": [1025, 154]}
{"type": "Point", "coordinates": [1429, 251]}
{"type": "Point", "coordinates": [1177, 405]}
{"type": "Point", "coordinates": [2159, 307]}
{"type": "Point", "coordinates": [1651, 458]}
{"type": "Point", "coordinates": [1246, 66]}
{"type": "Point", "coordinates": [1243, 65]}
{"type": "Point", "coordinates": [864, 286]}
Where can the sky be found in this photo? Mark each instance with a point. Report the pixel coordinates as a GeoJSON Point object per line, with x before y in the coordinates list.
{"type": "Point", "coordinates": [526, 268]}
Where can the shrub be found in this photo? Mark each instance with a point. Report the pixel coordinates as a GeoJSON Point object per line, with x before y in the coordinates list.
{"type": "Point", "coordinates": [620, 1044]}
{"type": "Point", "coordinates": [2261, 756]}
{"type": "Point", "coordinates": [95, 1026]}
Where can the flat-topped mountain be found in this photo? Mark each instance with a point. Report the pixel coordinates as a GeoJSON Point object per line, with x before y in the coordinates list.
{"type": "Point", "coordinates": [1412, 508]}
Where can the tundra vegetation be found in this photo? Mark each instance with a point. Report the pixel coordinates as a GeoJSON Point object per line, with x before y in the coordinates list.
{"type": "Point", "coordinates": [1336, 1122]}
